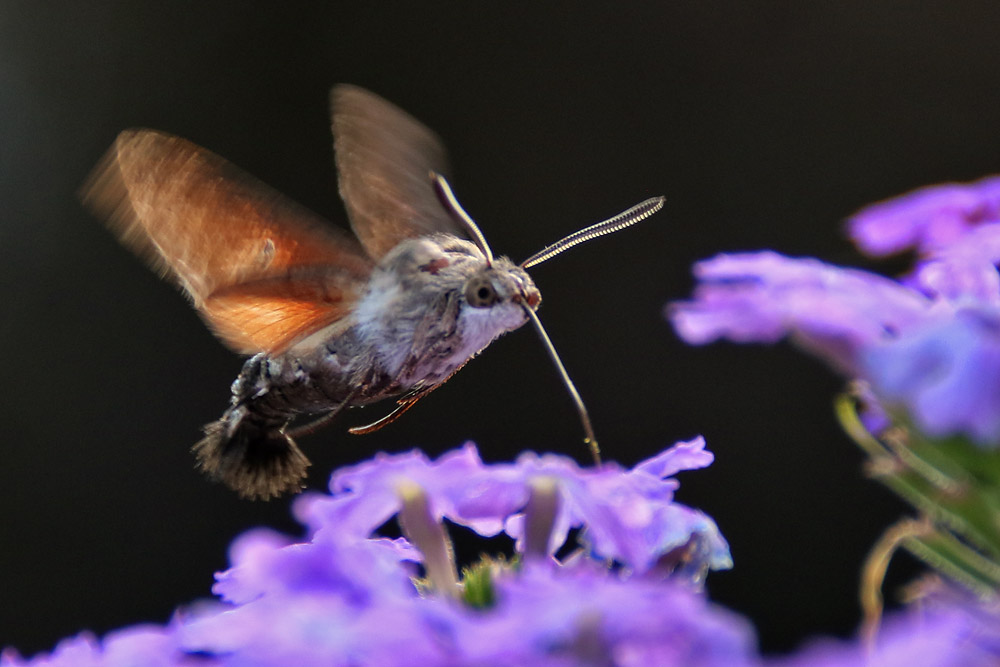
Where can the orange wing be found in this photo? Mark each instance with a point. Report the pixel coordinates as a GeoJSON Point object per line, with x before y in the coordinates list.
{"type": "Point", "coordinates": [263, 271]}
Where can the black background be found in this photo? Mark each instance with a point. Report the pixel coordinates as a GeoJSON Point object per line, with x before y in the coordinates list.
{"type": "Point", "coordinates": [763, 123]}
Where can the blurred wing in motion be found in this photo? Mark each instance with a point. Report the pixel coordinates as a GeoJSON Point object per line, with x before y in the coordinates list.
{"type": "Point", "coordinates": [384, 160]}
{"type": "Point", "coordinates": [262, 271]}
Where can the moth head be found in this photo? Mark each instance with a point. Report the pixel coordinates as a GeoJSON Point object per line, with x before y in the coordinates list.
{"type": "Point", "coordinates": [491, 291]}
{"type": "Point", "coordinates": [498, 281]}
{"type": "Point", "coordinates": [495, 298]}
{"type": "Point", "coordinates": [501, 288]}
{"type": "Point", "coordinates": [501, 282]}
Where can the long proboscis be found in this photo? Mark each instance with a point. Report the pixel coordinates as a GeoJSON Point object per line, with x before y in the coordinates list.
{"type": "Point", "coordinates": [627, 218]}
{"type": "Point", "coordinates": [637, 213]}
{"type": "Point", "coordinates": [588, 431]}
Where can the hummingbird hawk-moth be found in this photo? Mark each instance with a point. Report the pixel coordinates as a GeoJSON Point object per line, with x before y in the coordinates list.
{"type": "Point", "coordinates": [330, 321]}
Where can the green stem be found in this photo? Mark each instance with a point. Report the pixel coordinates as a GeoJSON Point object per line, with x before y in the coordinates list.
{"type": "Point", "coordinates": [961, 537]}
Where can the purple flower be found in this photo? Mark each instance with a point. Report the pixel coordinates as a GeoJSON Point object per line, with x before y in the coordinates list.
{"type": "Point", "coordinates": [348, 596]}
{"type": "Point", "coordinates": [136, 646]}
{"type": "Point", "coordinates": [267, 563]}
{"type": "Point", "coordinates": [926, 219]}
{"type": "Point", "coordinates": [955, 633]}
{"type": "Point", "coordinates": [928, 344]}
{"type": "Point", "coordinates": [343, 596]}
{"type": "Point", "coordinates": [462, 489]}
{"type": "Point", "coordinates": [955, 230]}
{"type": "Point", "coordinates": [578, 615]}
{"type": "Point", "coordinates": [947, 373]}
{"type": "Point", "coordinates": [627, 516]}
{"type": "Point", "coordinates": [313, 628]}
{"type": "Point", "coordinates": [964, 272]}
{"type": "Point", "coordinates": [833, 312]}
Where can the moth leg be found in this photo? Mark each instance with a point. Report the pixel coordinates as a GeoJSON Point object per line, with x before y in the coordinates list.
{"type": "Point", "coordinates": [320, 422]}
{"type": "Point", "coordinates": [402, 406]}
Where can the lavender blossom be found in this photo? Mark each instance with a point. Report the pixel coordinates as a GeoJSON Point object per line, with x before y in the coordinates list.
{"type": "Point", "coordinates": [346, 596]}
{"type": "Point", "coordinates": [945, 630]}
{"type": "Point", "coordinates": [136, 646]}
{"type": "Point", "coordinates": [927, 219]}
{"type": "Point", "coordinates": [927, 349]}
{"type": "Point", "coordinates": [831, 311]}
{"type": "Point", "coordinates": [579, 615]}
{"type": "Point", "coordinates": [947, 373]}
{"type": "Point", "coordinates": [928, 344]}
{"type": "Point", "coordinates": [267, 563]}
{"type": "Point", "coordinates": [955, 231]}
{"type": "Point", "coordinates": [627, 516]}
{"type": "Point", "coordinates": [343, 597]}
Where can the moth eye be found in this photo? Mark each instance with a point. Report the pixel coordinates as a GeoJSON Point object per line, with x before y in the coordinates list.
{"type": "Point", "coordinates": [480, 293]}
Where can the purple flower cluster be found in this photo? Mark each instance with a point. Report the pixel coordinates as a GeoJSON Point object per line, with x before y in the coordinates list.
{"type": "Point", "coordinates": [628, 516]}
{"type": "Point", "coordinates": [347, 596]}
{"type": "Point", "coordinates": [945, 629]}
{"type": "Point", "coordinates": [928, 343]}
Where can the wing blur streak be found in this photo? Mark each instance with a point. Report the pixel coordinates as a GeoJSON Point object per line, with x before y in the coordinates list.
{"type": "Point", "coordinates": [262, 270]}
{"type": "Point", "coordinates": [384, 160]}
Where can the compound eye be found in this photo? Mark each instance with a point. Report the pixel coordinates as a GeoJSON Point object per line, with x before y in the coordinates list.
{"type": "Point", "coordinates": [480, 293]}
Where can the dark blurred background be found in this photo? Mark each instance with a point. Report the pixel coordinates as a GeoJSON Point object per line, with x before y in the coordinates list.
{"type": "Point", "coordinates": [764, 124]}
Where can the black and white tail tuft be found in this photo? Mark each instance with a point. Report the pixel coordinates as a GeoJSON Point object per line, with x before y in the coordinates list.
{"type": "Point", "coordinates": [257, 462]}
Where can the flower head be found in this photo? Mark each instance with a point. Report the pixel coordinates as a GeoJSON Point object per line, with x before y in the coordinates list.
{"type": "Point", "coordinates": [626, 515]}
{"type": "Point", "coordinates": [927, 219]}
{"type": "Point", "coordinates": [951, 631]}
{"type": "Point", "coordinates": [928, 344]}
{"type": "Point", "coordinates": [764, 297]}
{"type": "Point", "coordinates": [267, 563]}
{"type": "Point", "coordinates": [347, 596]}
{"type": "Point", "coordinates": [136, 646]}
{"type": "Point", "coordinates": [578, 615]}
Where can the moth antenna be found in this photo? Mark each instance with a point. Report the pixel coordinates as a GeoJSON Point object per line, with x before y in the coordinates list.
{"type": "Point", "coordinates": [589, 438]}
{"type": "Point", "coordinates": [637, 213]}
{"type": "Point", "coordinates": [449, 201]}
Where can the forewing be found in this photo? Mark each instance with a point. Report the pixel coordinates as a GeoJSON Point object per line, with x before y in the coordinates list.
{"type": "Point", "coordinates": [262, 270]}
{"type": "Point", "coordinates": [384, 160]}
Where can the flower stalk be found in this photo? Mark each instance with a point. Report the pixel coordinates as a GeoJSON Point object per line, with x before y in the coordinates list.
{"type": "Point", "coordinates": [959, 533]}
{"type": "Point", "coordinates": [540, 515]}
